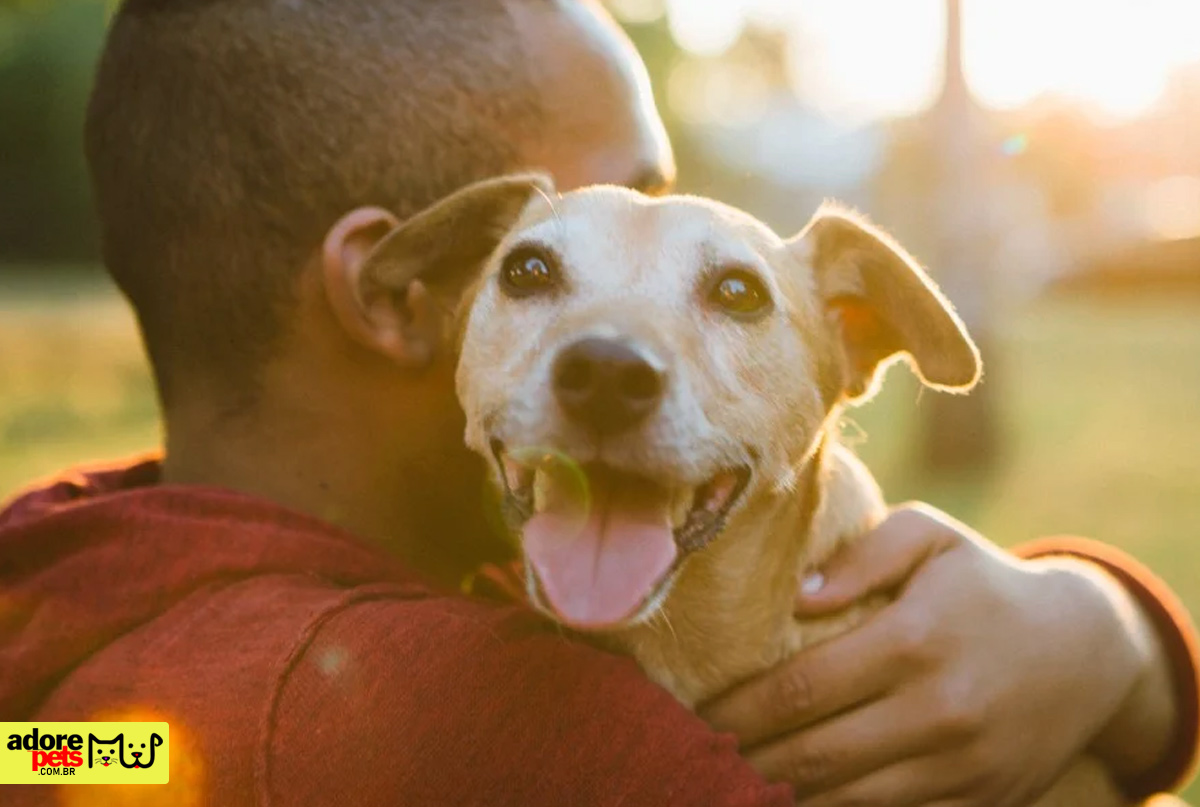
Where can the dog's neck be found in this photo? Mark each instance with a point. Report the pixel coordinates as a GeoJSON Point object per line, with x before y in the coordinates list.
{"type": "Point", "coordinates": [729, 614]}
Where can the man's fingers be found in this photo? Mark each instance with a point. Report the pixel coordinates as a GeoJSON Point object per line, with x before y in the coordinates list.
{"type": "Point", "coordinates": [917, 782]}
{"type": "Point", "coordinates": [878, 562]}
{"type": "Point", "coordinates": [846, 747]}
{"type": "Point", "coordinates": [817, 682]}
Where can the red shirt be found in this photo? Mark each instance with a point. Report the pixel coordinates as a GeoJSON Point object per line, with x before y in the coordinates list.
{"type": "Point", "coordinates": [298, 666]}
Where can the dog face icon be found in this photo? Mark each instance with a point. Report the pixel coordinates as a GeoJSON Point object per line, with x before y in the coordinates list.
{"type": "Point", "coordinates": [130, 753]}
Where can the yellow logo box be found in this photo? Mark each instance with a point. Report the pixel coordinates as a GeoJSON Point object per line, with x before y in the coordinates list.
{"type": "Point", "coordinates": [84, 753]}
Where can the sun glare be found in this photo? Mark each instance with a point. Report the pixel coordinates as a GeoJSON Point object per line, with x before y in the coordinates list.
{"type": "Point", "coordinates": [1115, 57]}
{"type": "Point", "coordinates": [706, 31]}
{"type": "Point", "coordinates": [1172, 208]}
{"type": "Point", "coordinates": [869, 59]}
{"type": "Point", "coordinates": [866, 59]}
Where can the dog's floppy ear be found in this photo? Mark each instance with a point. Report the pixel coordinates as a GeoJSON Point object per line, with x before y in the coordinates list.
{"type": "Point", "coordinates": [445, 245]}
{"type": "Point", "coordinates": [394, 285]}
{"type": "Point", "coordinates": [882, 306]}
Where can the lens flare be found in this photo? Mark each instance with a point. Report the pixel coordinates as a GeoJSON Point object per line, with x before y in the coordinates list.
{"type": "Point", "coordinates": [186, 788]}
{"type": "Point", "coordinates": [560, 484]}
{"type": "Point", "coordinates": [1015, 146]}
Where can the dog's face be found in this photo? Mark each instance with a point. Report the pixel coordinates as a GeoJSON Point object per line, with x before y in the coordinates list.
{"type": "Point", "coordinates": [637, 368]}
{"type": "Point", "coordinates": [634, 366]}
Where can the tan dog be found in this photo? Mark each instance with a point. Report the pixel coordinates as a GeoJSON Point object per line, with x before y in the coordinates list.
{"type": "Point", "coordinates": [657, 384]}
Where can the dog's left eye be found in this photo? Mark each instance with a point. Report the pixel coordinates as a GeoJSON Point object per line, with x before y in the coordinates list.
{"type": "Point", "coordinates": [740, 293]}
{"type": "Point", "coordinates": [528, 271]}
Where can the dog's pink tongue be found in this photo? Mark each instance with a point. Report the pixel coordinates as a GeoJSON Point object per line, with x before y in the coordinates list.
{"type": "Point", "coordinates": [597, 569]}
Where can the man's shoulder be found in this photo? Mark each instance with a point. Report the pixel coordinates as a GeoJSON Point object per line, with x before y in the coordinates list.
{"type": "Point", "coordinates": [460, 701]}
{"type": "Point", "coordinates": [312, 688]}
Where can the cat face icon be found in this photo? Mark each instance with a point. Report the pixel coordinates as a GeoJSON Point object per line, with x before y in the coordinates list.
{"type": "Point", "coordinates": [105, 754]}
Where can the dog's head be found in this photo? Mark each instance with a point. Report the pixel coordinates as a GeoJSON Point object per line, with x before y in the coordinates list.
{"type": "Point", "coordinates": [636, 368]}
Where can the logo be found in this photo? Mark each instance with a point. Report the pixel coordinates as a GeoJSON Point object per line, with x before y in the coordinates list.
{"type": "Point", "coordinates": [86, 753]}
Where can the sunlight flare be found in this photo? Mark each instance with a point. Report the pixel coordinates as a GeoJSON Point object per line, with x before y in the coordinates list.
{"type": "Point", "coordinates": [862, 60]}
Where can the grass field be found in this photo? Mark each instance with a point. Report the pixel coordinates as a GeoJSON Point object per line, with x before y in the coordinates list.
{"type": "Point", "coordinates": [73, 383]}
{"type": "Point", "coordinates": [1101, 407]}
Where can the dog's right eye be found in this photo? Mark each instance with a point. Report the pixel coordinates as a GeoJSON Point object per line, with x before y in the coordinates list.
{"type": "Point", "coordinates": [528, 271]}
{"type": "Point", "coordinates": [740, 294]}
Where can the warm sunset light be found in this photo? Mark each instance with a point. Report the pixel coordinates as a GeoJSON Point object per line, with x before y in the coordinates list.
{"type": "Point", "coordinates": [868, 59]}
{"type": "Point", "coordinates": [541, 402]}
{"type": "Point", "coordinates": [1115, 56]}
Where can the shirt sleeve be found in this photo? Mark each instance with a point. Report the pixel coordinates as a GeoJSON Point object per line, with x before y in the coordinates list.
{"type": "Point", "coordinates": [1179, 640]}
{"type": "Point", "coordinates": [456, 702]}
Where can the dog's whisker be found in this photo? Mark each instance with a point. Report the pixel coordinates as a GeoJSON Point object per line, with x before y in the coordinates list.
{"type": "Point", "coordinates": [549, 201]}
{"type": "Point", "coordinates": [666, 620]}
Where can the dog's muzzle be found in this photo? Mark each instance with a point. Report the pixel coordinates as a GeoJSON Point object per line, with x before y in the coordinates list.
{"type": "Point", "coordinates": [602, 542]}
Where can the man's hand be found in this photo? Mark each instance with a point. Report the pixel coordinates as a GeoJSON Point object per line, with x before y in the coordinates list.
{"type": "Point", "coordinates": [977, 686]}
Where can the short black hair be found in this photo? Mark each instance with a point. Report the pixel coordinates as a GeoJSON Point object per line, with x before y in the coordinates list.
{"type": "Point", "coordinates": [224, 137]}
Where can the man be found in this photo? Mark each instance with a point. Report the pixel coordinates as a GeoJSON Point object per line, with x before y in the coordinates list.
{"type": "Point", "coordinates": [282, 586]}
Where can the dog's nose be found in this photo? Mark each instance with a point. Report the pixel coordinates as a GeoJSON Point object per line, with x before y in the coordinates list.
{"type": "Point", "coordinates": [606, 385]}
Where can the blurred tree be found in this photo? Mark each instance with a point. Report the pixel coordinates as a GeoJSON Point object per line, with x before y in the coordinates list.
{"type": "Point", "coordinates": [961, 433]}
{"type": "Point", "coordinates": [936, 189]}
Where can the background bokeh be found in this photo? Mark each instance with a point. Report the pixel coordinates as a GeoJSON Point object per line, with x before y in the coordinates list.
{"type": "Point", "coordinates": [1042, 157]}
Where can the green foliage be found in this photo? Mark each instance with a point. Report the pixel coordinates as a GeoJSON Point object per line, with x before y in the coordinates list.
{"type": "Point", "coordinates": [48, 51]}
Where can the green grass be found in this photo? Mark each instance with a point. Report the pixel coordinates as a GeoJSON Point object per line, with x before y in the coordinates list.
{"type": "Point", "coordinates": [1101, 415]}
{"type": "Point", "coordinates": [1101, 407]}
{"type": "Point", "coordinates": [73, 383]}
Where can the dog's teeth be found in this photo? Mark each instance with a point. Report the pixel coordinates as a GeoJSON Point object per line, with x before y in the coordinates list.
{"type": "Point", "coordinates": [719, 491]}
{"type": "Point", "coordinates": [515, 475]}
{"type": "Point", "coordinates": [681, 506]}
{"type": "Point", "coordinates": [542, 484]}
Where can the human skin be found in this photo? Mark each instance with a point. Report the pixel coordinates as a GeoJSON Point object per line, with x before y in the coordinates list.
{"type": "Point", "coordinates": [357, 424]}
{"type": "Point", "coordinates": [974, 687]}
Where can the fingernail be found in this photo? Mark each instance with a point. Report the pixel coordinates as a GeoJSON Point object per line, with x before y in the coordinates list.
{"type": "Point", "coordinates": [814, 582]}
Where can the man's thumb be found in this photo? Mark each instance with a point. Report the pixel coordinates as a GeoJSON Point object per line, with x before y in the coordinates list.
{"type": "Point", "coordinates": [879, 562]}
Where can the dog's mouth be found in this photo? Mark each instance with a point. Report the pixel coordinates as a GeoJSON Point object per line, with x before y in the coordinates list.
{"type": "Point", "coordinates": [602, 545]}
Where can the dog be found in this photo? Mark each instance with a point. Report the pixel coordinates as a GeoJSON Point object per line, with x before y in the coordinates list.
{"type": "Point", "coordinates": [657, 385]}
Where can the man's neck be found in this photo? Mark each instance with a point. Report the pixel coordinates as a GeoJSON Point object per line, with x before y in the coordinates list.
{"type": "Point", "coordinates": [398, 495]}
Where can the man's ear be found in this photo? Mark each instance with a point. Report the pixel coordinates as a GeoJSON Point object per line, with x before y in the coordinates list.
{"type": "Point", "coordinates": [882, 307]}
{"type": "Point", "coordinates": [392, 283]}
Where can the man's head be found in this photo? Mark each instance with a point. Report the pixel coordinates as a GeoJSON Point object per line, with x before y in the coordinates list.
{"type": "Point", "coordinates": [248, 154]}
{"type": "Point", "coordinates": [226, 138]}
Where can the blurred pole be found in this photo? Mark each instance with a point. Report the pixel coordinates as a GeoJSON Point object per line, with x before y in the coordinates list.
{"type": "Point", "coordinates": [960, 433]}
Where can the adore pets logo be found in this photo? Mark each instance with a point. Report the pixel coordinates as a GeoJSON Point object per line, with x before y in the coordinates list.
{"type": "Point", "coordinates": [85, 753]}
